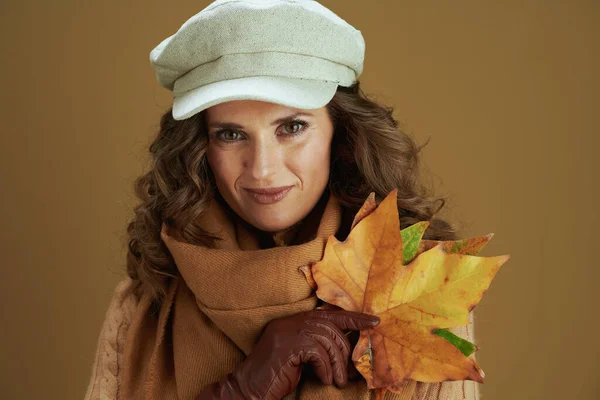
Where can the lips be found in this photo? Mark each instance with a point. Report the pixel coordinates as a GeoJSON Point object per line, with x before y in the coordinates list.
{"type": "Point", "coordinates": [269, 191]}
{"type": "Point", "coordinates": [268, 195]}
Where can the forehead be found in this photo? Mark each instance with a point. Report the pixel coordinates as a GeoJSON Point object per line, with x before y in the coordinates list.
{"type": "Point", "coordinates": [244, 110]}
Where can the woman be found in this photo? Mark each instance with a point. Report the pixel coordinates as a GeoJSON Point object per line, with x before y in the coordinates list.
{"type": "Point", "coordinates": [270, 147]}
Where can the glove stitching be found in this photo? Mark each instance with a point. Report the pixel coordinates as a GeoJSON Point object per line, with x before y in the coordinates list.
{"type": "Point", "coordinates": [333, 328]}
{"type": "Point", "coordinates": [342, 364]}
{"type": "Point", "coordinates": [291, 356]}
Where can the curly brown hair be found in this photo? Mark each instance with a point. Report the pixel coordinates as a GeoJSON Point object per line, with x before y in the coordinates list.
{"type": "Point", "coordinates": [369, 153]}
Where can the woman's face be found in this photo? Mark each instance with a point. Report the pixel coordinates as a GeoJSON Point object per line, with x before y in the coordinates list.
{"type": "Point", "coordinates": [257, 145]}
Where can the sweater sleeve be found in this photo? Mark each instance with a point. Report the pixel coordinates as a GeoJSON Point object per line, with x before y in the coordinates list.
{"type": "Point", "coordinates": [452, 390]}
{"type": "Point", "coordinates": [104, 381]}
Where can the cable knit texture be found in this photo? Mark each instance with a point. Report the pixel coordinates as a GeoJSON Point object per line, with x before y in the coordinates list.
{"type": "Point", "coordinates": [214, 313]}
{"type": "Point", "coordinates": [108, 361]}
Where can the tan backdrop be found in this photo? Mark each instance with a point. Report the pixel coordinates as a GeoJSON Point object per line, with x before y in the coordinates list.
{"type": "Point", "coordinates": [507, 91]}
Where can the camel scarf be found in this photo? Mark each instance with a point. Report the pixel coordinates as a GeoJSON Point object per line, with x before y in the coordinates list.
{"type": "Point", "coordinates": [215, 311]}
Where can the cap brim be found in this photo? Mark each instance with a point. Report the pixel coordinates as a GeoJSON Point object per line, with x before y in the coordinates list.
{"type": "Point", "coordinates": [290, 92]}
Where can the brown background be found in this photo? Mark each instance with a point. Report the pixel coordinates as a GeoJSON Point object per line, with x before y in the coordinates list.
{"type": "Point", "coordinates": [507, 91]}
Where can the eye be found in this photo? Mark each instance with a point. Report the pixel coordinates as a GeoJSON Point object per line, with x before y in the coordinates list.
{"type": "Point", "coordinates": [227, 135]}
{"type": "Point", "coordinates": [295, 127]}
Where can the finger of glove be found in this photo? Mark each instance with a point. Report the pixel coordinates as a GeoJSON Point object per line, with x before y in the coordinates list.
{"type": "Point", "coordinates": [338, 350]}
{"type": "Point", "coordinates": [318, 357]}
{"type": "Point", "coordinates": [333, 332]}
{"type": "Point", "coordinates": [348, 319]}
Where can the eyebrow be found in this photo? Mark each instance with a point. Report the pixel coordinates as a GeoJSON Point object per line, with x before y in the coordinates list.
{"type": "Point", "coordinates": [231, 125]}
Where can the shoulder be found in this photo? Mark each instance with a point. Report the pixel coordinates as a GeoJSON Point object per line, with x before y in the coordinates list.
{"type": "Point", "coordinates": [124, 295]}
{"type": "Point", "coordinates": [122, 306]}
{"type": "Point", "coordinates": [109, 351]}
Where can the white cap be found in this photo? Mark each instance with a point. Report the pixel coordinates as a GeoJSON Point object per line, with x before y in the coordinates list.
{"type": "Point", "coordinates": [290, 52]}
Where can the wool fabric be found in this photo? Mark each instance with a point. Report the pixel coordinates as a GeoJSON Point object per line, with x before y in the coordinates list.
{"type": "Point", "coordinates": [290, 52]}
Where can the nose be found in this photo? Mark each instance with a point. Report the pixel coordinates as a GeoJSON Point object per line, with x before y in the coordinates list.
{"type": "Point", "coordinates": [264, 160]}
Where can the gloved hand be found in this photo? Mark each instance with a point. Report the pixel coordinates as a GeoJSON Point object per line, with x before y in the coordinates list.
{"type": "Point", "coordinates": [273, 369]}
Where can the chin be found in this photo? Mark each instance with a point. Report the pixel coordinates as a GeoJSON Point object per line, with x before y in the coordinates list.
{"type": "Point", "coordinates": [272, 220]}
{"type": "Point", "coordinates": [272, 226]}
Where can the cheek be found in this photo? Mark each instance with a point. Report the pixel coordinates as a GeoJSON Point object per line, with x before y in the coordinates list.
{"type": "Point", "coordinates": [223, 166]}
{"type": "Point", "coordinates": [311, 161]}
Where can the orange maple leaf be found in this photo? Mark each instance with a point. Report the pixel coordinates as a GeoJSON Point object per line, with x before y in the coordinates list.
{"type": "Point", "coordinates": [417, 288]}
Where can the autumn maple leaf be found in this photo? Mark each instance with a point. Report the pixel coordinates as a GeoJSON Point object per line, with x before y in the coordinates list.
{"type": "Point", "coordinates": [417, 287]}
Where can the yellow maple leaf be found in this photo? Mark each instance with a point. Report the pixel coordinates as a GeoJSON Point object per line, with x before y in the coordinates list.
{"type": "Point", "coordinates": [417, 288]}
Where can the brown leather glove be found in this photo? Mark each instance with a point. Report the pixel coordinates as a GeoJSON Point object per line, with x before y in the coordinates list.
{"type": "Point", "coordinates": [273, 369]}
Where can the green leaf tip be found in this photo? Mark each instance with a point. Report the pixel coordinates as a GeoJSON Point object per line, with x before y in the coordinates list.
{"type": "Point", "coordinates": [465, 347]}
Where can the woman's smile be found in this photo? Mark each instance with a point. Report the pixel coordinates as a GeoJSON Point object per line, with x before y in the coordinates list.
{"type": "Point", "coordinates": [269, 195]}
